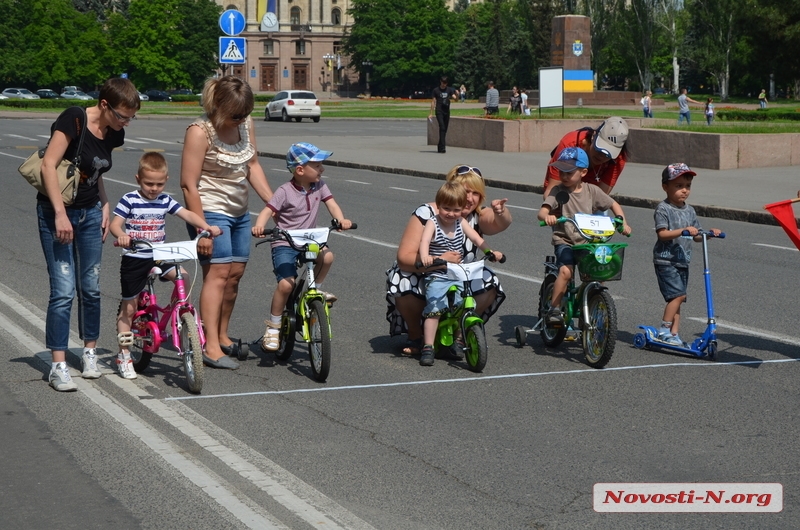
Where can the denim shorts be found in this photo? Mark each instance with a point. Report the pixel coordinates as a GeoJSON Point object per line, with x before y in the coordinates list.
{"type": "Point", "coordinates": [283, 262]}
{"type": "Point", "coordinates": [672, 281]}
{"type": "Point", "coordinates": [436, 289]}
{"type": "Point", "coordinates": [564, 255]}
{"type": "Point", "coordinates": [233, 245]}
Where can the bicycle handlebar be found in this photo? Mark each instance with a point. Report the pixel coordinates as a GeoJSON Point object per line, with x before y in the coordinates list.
{"type": "Point", "coordinates": [619, 224]}
{"type": "Point", "coordinates": [143, 242]}
{"type": "Point", "coordinates": [708, 233]}
{"type": "Point", "coordinates": [437, 262]}
{"type": "Point", "coordinates": [278, 234]}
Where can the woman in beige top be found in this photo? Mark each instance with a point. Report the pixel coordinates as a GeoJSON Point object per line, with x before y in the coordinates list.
{"type": "Point", "coordinates": [219, 160]}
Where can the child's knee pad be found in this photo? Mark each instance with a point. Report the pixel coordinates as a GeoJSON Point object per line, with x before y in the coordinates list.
{"type": "Point", "coordinates": [125, 338]}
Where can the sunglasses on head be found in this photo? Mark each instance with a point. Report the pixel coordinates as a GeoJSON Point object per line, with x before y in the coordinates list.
{"type": "Point", "coordinates": [463, 170]}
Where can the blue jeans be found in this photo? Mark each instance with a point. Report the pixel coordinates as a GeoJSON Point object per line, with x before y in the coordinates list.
{"type": "Point", "coordinates": [233, 246]}
{"type": "Point", "coordinates": [73, 267]}
{"type": "Point", "coordinates": [687, 115]}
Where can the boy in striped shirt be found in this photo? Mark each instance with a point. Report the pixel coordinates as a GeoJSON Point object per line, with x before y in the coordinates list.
{"type": "Point", "coordinates": [141, 214]}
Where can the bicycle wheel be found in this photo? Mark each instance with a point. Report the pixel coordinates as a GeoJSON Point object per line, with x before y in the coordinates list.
{"type": "Point", "coordinates": [600, 336]}
{"type": "Point", "coordinates": [476, 351]}
{"type": "Point", "coordinates": [319, 346]}
{"type": "Point", "coordinates": [552, 337]}
{"type": "Point", "coordinates": [143, 336]}
{"type": "Point", "coordinates": [287, 336]}
{"type": "Point", "coordinates": [192, 353]}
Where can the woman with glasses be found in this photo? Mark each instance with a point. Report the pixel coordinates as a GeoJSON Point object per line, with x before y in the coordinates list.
{"type": "Point", "coordinates": [218, 164]}
{"type": "Point", "coordinates": [404, 283]}
{"type": "Point", "coordinates": [72, 236]}
{"type": "Point", "coordinates": [606, 149]}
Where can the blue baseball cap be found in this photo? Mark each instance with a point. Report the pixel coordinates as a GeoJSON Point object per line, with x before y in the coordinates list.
{"type": "Point", "coordinates": [570, 159]}
{"type": "Point", "coordinates": [302, 153]}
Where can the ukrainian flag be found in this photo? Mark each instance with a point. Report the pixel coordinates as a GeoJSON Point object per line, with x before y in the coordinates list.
{"type": "Point", "coordinates": [578, 81]}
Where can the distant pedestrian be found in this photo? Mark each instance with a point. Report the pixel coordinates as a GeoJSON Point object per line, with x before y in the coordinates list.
{"type": "Point", "coordinates": [463, 93]}
{"type": "Point", "coordinates": [514, 102]}
{"type": "Point", "coordinates": [524, 96]}
{"type": "Point", "coordinates": [440, 105]}
{"type": "Point", "coordinates": [709, 110]}
{"type": "Point", "coordinates": [647, 104]}
{"type": "Point", "coordinates": [683, 107]}
{"type": "Point", "coordinates": [762, 99]}
{"type": "Point", "coordinates": [492, 99]}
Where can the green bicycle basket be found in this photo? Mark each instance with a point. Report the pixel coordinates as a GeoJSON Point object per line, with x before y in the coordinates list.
{"type": "Point", "coordinates": [599, 262]}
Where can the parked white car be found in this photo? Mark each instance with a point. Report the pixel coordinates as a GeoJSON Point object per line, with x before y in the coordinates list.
{"type": "Point", "coordinates": [19, 93]}
{"type": "Point", "coordinates": [75, 94]}
{"type": "Point", "coordinates": [297, 104]}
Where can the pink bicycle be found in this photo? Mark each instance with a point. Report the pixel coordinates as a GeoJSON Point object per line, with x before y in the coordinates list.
{"type": "Point", "coordinates": [152, 323]}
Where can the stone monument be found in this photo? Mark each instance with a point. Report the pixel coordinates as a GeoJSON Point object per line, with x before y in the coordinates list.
{"type": "Point", "coordinates": [571, 49]}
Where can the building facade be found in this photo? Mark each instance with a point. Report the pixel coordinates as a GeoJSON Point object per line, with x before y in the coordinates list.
{"type": "Point", "coordinates": [294, 45]}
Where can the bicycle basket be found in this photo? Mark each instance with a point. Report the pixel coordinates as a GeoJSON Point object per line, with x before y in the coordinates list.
{"type": "Point", "coordinates": [599, 262]}
{"type": "Point", "coordinates": [175, 252]}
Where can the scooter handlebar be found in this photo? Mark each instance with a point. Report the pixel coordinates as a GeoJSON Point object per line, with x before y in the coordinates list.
{"type": "Point", "coordinates": [708, 233]}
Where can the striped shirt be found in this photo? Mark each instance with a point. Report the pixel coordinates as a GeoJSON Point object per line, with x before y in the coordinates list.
{"type": "Point", "coordinates": [441, 243]}
{"type": "Point", "coordinates": [145, 218]}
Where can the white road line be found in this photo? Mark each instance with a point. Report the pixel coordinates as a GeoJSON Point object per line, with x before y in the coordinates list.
{"type": "Point", "coordinates": [13, 156]}
{"type": "Point", "coordinates": [403, 189]}
{"type": "Point", "coordinates": [523, 208]}
{"type": "Point", "coordinates": [482, 378]}
{"type": "Point", "coordinates": [131, 140]}
{"type": "Point", "coordinates": [23, 137]}
{"type": "Point", "coordinates": [778, 337]}
{"type": "Point", "coordinates": [774, 246]}
{"type": "Point", "coordinates": [358, 182]}
{"type": "Point", "coordinates": [288, 490]}
{"type": "Point", "coordinates": [154, 140]}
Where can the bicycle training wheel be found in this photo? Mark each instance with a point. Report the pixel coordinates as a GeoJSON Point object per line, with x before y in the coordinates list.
{"type": "Point", "coordinates": [192, 353]}
{"type": "Point", "coordinates": [600, 337]}
{"type": "Point", "coordinates": [319, 345]}
{"type": "Point", "coordinates": [476, 351]}
{"type": "Point", "coordinates": [142, 337]}
{"type": "Point", "coordinates": [552, 337]}
{"type": "Point", "coordinates": [287, 336]}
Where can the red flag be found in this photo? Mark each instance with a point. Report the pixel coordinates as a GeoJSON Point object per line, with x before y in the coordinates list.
{"type": "Point", "coordinates": [784, 213]}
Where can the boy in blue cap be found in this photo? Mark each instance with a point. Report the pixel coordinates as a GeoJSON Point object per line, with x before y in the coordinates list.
{"type": "Point", "coordinates": [294, 206]}
{"type": "Point", "coordinates": [572, 164]}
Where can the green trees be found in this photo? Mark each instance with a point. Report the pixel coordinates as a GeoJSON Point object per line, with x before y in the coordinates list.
{"type": "Point", "coordinates": [161, 43]}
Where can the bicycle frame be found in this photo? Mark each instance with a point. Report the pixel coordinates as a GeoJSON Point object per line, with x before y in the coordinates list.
{"type": "Point", "coordinates": [462, 315]}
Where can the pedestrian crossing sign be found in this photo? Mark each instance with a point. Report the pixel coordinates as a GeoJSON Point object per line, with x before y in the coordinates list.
{"type": "Point", "coordinates": [232, 50]}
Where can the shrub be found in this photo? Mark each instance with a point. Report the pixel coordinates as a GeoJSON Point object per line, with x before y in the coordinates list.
{"type": "Point", "coordinates": [758, 115]}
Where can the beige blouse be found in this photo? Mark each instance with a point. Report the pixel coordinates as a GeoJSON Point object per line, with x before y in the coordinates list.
{"type": "Point", "coordinates": [223, 178]}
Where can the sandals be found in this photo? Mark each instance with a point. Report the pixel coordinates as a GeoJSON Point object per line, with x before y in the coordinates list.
{"type": "Point", "coordinates": [271, 341]}
{"type": "Point", "coordinates": [412, 347]}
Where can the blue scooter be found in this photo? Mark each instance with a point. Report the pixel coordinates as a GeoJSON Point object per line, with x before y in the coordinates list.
{"type": "Point", "coordinates": [706, 345]}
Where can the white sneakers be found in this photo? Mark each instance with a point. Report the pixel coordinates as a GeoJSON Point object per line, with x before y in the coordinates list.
{"type": "Point", "coordinates": [125, 368]}
{"type": "Point", "coordinates": [89, 362]}
{"type": "Point", "coordinates": [60, 379]}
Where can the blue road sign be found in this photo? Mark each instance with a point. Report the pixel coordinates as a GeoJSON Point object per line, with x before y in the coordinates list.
{"type": "Point", "coordinates": [232, 50]}
{"type": "Point", "coordinates": [231, 22]}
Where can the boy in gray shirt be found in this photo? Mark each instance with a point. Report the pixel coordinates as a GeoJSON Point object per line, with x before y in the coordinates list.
{"type": "Point", "coordinates": [492, 99]}
{"type": "Point", "coordinates": [673, 251]}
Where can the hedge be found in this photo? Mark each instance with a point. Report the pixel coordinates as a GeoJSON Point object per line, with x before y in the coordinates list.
{"type": "Point", "coordinates": [757, 115]}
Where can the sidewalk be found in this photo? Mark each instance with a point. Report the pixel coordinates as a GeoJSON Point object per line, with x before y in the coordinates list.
{"type": "Point", "coordinates": [737, 194]}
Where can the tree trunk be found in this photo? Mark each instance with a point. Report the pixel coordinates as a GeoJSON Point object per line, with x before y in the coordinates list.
{"type": "Point", "coordinates": [676, 73]}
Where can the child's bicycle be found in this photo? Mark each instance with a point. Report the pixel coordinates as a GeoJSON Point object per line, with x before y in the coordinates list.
{"type": "Point", "coordinates": [462, 317]}
{"type": "Point", "coordinates": [306, 311]}
{"type": "Point", "coordinates": [588, 309]}
{"type": "Point", "coordinates": [706, 345]}
{"type": "Point", "coordinates": [152, 323]}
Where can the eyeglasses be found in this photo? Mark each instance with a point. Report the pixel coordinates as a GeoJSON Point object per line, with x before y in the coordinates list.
{"type": "Point", "coordinates": [463, 170]}
{"type": "Point", "coordinates": [605, 152]}
{"type": "Point", "coordinates": [120, 117]}
{"type": "Point", "coordinates": [239, 117]}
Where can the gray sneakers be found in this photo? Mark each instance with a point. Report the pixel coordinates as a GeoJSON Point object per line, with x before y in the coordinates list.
{"type": "Point", "coordinates": [60, 379]}
{"type": "Point", "coordinates": [89, 362]}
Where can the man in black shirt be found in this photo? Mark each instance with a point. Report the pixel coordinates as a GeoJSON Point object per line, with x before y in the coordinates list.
{"type": "Point", "coordinates": [441, 105]}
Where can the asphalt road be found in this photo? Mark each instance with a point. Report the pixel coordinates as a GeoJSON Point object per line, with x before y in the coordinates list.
{"type": "Point", "coordinates": [386, 443]}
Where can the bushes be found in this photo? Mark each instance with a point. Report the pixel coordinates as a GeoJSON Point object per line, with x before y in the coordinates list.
{"type": "Point", "coordinates": [45, 103]}
{"type": "Point", "coordinates": [757, 115]}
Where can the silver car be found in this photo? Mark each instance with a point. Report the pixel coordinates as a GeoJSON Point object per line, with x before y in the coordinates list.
{"type": "Point", "coordinates": [75, 94]}
{"type": "Point", "coordinates": [19, 93]}
{"type": "Point", "coordinates": [297, 104]}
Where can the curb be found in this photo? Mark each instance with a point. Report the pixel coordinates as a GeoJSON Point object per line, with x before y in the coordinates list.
{"type": "Point", "coordinates": [717, 212]}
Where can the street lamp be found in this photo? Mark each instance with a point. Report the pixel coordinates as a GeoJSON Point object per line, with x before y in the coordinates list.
{"type": "Point", "coordinates": [329, 57]}
{"type": "Point", "coordinates": [367, 68]}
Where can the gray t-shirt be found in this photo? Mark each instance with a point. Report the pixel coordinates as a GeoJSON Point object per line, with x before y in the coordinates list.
{"type": "Point", "coordinates": [590, 199]}
{"type": "Point", "coordinates": [683, 105]}
{"type": "Point", "coordinates": [492, 98]}
{"type": "Point", "coordinates": [677, 252]}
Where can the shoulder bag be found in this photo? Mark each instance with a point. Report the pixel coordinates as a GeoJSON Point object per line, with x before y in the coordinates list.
{"type": "Point", "coordinates": [67, 170]}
